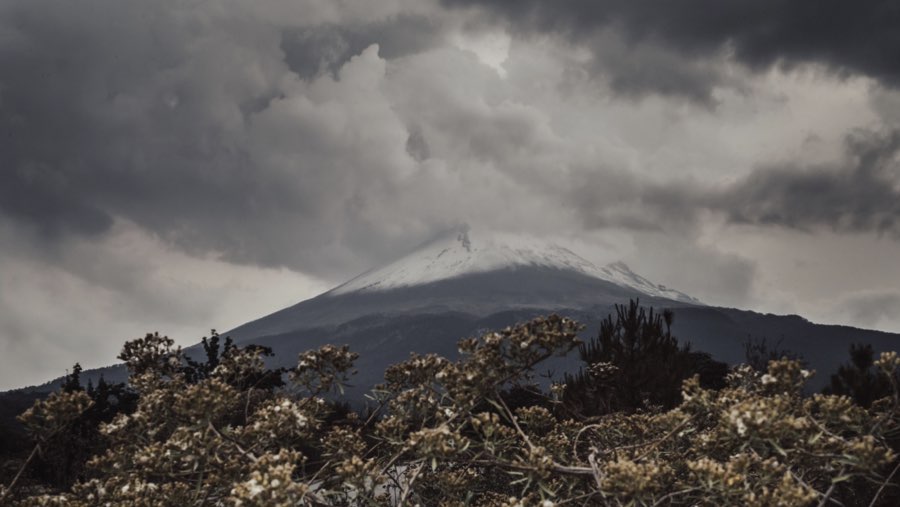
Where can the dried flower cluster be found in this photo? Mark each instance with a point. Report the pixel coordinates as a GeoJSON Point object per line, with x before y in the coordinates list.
{"type": "Point", "coordinates": [446, 434]}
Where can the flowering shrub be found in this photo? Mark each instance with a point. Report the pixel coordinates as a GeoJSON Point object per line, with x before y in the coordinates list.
{"type": "Point", "coordinates": [444, 433]}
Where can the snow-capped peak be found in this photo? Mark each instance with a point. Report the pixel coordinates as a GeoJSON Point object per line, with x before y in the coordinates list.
{"type": "Point", "coordinates": [456, 254]}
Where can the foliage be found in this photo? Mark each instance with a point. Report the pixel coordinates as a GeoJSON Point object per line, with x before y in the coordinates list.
{"type": "Point", "coordinates": [67, 439]}
{"type": "Point", "coordinates": [859, 379]}
{"type": "Point", "coordinates": [443, 434]}
{"type": "Point", "coordinates": [758, 353]}
{"type": "Point", "coordinates": [634, 363]}
{"type": "Point", "coordinates": [260, 378]}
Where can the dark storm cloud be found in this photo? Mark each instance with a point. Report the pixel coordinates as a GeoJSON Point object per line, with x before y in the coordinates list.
{"type": "Point", "coordinates": [178, 118]}
{"type": "Point", "coordinates": [848, 37]}
{"type": "Point", "coordinates": [221, 134]}
{"type": "Point", "coordinates": [97, 113]}
{"type": "Point", "coordinates": [860, 195]}
{"type": "Point", "coordinates": [313, 49]}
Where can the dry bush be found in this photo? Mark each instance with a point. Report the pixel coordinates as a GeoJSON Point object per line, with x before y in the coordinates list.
{"type": "Point", "coordinates": [444, 435]}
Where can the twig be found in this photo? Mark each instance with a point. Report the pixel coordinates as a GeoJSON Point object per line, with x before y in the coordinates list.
{"type": "Point", "coordinates": [578, 437]}
{"type": "Point", "coordinates": [672, 495]}
{"type": "Point", "coordinates": [655, 444]}
{"type": "Point", "coordinates": [808, 485]}
{"type": "Point", "coordinates": [830, 490]}
{"type": "Point", "coordinates": [12, 485]}
{"type": "Point", "coordinates": [557, 467]}
{"type": "Point", "coordinates": [574, 499]}
{"type": "Point", "coordinates": [883, 485]}
{"type": "Point", "coordinates": [233, 441]}
{"type": "Point", "coordinates": [407, 488]}
{"type": "Point", "coordinates": [595, 468]}
{"type": "Point", "coordinates": [512, 419]}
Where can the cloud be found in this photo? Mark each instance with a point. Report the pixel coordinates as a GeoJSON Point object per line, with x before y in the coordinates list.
{"type": "Point", "coordinates": [847, 38]}
{"type": "Point", "coordinates": [106, 107]}
{"type": "Point", "coordinates": [872, 309]}
{"type": "Point", "coordinates": [860, 194]}
{"type": "Point", "coordinates": [704, 270]}
{"type": "Point", "coordinates": [223, 132]}
{"type": "Point", "coordinates": [312, 49]}
{"type": "Point", "coordinates": [83, 301]}
{"type": "Point", "coordinates": [195, 123]}
{"type": "Point", "coordinates": [306, 145]}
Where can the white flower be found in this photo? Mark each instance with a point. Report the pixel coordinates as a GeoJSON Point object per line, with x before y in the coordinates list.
{"type": "Point", "coordinates": [735, 417]}
{"type": "Point", "coordinates": [254, 488]}
{"type": "Point", "coordinates": [741, 427]}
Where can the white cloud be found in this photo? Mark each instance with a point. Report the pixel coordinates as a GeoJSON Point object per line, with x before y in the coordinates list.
{"type": "Point", "coordinates": [82, 303]}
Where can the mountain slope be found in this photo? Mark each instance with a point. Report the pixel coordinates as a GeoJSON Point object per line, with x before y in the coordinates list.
{"type": "Point", "coordinates": [477, 276]}
{"type": "Point", "coordinates": [459, 285]}
{"type": "Point", "coordinates": [382, 340]}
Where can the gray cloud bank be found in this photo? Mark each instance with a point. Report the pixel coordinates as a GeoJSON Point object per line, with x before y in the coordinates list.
{"type": "Point", "coordinates": [847, 37]}
{"type": "Point", "coordinates": [861, 193]}
{"type": "Point", "coordinates": [297, 146]}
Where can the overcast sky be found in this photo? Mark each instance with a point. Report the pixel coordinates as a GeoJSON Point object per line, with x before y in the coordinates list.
{"type": "Point", "coordinates": [181, 165]}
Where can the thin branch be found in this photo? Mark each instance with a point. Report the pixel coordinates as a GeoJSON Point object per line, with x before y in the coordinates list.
{"type": "Point", "coordinates": [248, 455]}
{"type": "Point", "coordinates": [655, 444]}
{"type": "Point", "coordinates": [830, 490]}
{"type": "Point", "coordinates": [407, 488]}
{"type": "Point", "coordinates": [808, 485]}
{"type": "Point", "coordinates": [672, 495]}
{"type": "Point", "coordinates": [512, 419]}
{"type": "Point", "coordinates": [884, 484]}
{"type": "Point", "coordinates": [595, 468]}
{"type": "Point", "coordinates": [12, 485]}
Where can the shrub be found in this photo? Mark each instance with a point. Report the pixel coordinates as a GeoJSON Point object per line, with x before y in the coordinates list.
{"type": "Point", "coordinates": [443, 434]}
{"type": "Point", "coordinates": [634, 363]}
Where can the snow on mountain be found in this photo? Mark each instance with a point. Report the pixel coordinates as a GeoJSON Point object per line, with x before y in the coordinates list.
{"type": "Point", "coordinates": [457, 254]}
{"type": "Point", "coordinates": [620, 274]}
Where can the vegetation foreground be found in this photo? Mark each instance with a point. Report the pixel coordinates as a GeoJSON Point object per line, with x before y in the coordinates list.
{"type": "Point", "coordinates": [647, 422]}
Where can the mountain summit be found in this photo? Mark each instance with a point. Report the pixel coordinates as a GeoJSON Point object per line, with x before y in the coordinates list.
{"type": "Point", "coordinates": [457, 254]}
{"type": "Point", "coordinates": [476, 276]}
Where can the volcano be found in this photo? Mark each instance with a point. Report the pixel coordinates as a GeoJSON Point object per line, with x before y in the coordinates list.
{"type": "Point", "coordinates": [459, 285]}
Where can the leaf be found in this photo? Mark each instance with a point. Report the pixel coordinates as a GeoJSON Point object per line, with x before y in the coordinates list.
{"type": "Point", "coordinates": [841, 478]}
